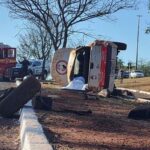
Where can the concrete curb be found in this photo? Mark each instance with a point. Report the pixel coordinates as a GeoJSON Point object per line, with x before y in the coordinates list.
{"type": "Point", "coordinates": [142, 92]}
{"type": "Point", "coordinates": [31, 133]}
{"type": "Point", "coordinates": [138, 99]}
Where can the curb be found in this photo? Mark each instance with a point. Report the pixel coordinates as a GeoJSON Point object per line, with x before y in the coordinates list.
{"type": "Point", "coordinates": [32, 136]}
{"type": "Point", "coordinates": [141, 92]}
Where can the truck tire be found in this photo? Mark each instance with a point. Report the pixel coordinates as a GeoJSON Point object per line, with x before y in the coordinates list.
{"type": "Point", "coordinates": [5, 92]}
{"type": "Point", "coordinates": [45, 74]}
{"type": "Point", "coordinates": [30, 72]}
{"type": "Point", "coordinates": [19, 96]}
{"type": "Point", "coordinates": [121, 46]}
{"type": "Point", "coordinates": [12, 79]}
{"type": "Point", "coordinates": [140, 113]}
{"type": "Point", "coordinates": [42, 102]}
{"type": "Point", "coordinates": [5, 79]}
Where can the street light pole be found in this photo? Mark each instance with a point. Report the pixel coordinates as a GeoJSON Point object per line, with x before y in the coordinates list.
{"type": "Point", "coordinates": [137, 49]}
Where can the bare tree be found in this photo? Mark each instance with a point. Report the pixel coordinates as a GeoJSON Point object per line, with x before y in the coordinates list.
{"type": "Point", "coordinates": [58, 17]}
{"type": "Point", "coordinates": [36, 43]}
{"type": "Point", "coordinates": [147, 31]}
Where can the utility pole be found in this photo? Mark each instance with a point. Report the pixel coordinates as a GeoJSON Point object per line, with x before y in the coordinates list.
{"type": "Point", "coordinates": [137, 48]}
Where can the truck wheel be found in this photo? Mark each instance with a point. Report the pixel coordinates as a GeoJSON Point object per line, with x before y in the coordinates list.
{"type": "Point", "coordinates": [121, 46]}
{"type": "Point", "coordinates": [42, 102]}
{"type": "Point", "coordinates": [30, 72]}
{"type": "Point", "coordinates": [45, 74]}
{"type": "Point", "coordinates": [4, 93]}
{"type": "Point", "coordinates": [11, 78]}
{"type": "Point", "coordinates": [5, 79]}
{"type": "Point", "coordinates": [19, 96]}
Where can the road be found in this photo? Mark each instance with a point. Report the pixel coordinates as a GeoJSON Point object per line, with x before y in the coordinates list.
{"type": "Point", "coordinates": [6, 85]}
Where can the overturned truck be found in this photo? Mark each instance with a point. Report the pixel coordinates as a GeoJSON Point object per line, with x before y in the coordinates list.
{"type": "Point", "coordinates": [95, 63]}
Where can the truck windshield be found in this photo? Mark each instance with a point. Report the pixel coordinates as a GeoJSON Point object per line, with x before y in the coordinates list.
{"type": "Point", "coordinates": [7, 53]}
{"type": "Point", "coordinates": [10, 53]}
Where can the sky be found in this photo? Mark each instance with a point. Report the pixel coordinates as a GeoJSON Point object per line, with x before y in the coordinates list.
{"type": "Point", "coordinates": [122, 27]}
{"type": "Point", "coordinates": [9, 28]}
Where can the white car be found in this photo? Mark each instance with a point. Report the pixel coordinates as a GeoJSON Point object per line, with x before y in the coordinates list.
{"type": "Point", "coordinates": [137, 74]}
{"type": "Point", "coordinates": [35, 67]}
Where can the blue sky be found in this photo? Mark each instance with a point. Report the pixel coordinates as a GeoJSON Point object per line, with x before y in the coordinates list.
{"type": "Point", "coordinates": [9, 28]}
{"type": "Point", "coordinates": [123, 29]}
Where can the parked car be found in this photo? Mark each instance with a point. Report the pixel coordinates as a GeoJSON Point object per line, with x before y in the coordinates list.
{"type": "Point", "coordinates": [137, 74]}
{"type": "Point", "coordinates": [126, 74]}
{"type": "Point", "coordinates": [35, 68]}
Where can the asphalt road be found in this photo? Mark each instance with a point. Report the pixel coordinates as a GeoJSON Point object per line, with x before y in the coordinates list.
{"type": "Point", "coordinates": [6, 85]}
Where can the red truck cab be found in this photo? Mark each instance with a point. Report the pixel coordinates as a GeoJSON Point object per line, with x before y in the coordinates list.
{"type": "Point", "coordinates": [7, 58]}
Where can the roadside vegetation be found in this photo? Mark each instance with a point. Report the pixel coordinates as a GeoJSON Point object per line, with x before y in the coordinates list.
{"type": "Point", "coordinates": [143, 65]}
{"type": "Point", "coordinates": [135, 83]}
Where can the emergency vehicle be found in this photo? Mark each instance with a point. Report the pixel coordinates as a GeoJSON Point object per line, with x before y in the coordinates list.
{"type": "Point", "coordinates": [96, 63]}
{"type": "Point", "coordinates": [7, 58]}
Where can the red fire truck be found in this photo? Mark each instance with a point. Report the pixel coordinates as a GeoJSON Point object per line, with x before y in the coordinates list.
{"type": "Point", "coordinates": [7, 58]}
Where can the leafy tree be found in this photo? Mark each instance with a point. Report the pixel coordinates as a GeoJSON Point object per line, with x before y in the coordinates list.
{"type": "Point", "coordinates": [145, 67]}
{"type": "Point", "coordinates": [120, 64]}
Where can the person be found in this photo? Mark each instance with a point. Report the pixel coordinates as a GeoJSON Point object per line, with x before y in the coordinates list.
{"type": "Point", "coordinates": [25, 63]}
{"type": "Point", "coordinates": [121, 76]}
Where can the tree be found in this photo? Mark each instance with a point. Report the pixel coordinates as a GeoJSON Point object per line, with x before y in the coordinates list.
{"type": "Point", "coordinates": [130, 65]}
{"type": "Point", "coordinates": [36, 43]}
{"type": "Point", "coordinates": [145, 68]}
{"type": "Point", "coordinates": [120, 64]}
{"type": "Point", "coordinates": [59, 17]}
{"type": "Point", "coordinates": [147, 30]}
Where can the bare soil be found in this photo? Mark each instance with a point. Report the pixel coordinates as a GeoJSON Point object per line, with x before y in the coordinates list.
{"type": "Point", "coordinates": [106, 128]}
{"type": "Point", "coordinates": [9, 134]}
{"type": "Point", "coordinates": [9, 127]}
{"type": "Point", "coordinates": [135, 83]}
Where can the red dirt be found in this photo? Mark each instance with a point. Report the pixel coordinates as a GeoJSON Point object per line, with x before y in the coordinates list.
{"type": "Point", "coordinates": [106, 128]}
{"type": "Point", "coordinates": [9, 127]}
{"type": "Point", "coordinates": [9, 134]}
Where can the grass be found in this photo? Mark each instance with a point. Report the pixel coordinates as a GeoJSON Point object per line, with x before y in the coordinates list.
{"type": "Point", "coordinates": [136, 83]}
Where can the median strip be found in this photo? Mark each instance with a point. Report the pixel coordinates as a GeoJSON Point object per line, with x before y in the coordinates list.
{"type": "Point", "coordinates": [31, 133]}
